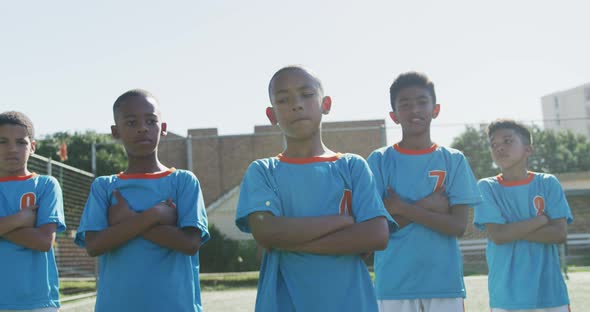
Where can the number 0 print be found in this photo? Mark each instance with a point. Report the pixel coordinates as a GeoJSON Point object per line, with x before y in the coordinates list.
{"type": "Point", "coordinates": [346, 203]}
{"type": "Point", "coordinates": [539, 203]}
{"type": "Point", "coordinates": [440, 178]}
{"type": "Point", "coordinates": [27, 200]}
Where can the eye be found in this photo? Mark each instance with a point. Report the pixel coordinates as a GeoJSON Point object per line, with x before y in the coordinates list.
{"type": "Point", "coordinates": [308, 94]}
{"type": "Point", "coordinates": [152, 122]}
{"type": "Point", "coordinates": [130, 123]}
{"type": "Point", "coordinates": [282, 100]}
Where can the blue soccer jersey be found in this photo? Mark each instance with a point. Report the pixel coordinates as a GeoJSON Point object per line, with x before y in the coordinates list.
{"type": "Point", "coordinates": [523, 274]}
{"type": "Point", "coordinates": [141, 275]}
{"type": "Point", "coordinates": [29, 278]}
{"type": "Point", "coordinates": [318, 186]}
{"type": "Point", "coordinates": [420, 263]}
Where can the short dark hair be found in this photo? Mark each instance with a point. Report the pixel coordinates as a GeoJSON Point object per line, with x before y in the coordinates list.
{"type": "Point", "coordinates": [294, 67]}
{"type": "Point", "coordinates": [131, 93]}
{"type": "Point", "coordinates": [410, 79]}
{"type": "Point", "coordinates": [18, 119]}
{"type": "Point", "coordinates": [520, 129]}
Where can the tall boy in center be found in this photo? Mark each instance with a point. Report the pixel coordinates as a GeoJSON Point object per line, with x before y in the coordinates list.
{"type": "Point", "coordinates": [313, 210]}
{"type": "Point", "coordinates": [428, 189]}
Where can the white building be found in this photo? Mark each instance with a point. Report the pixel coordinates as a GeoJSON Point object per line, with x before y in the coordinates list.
{"type": "Point", "coordinates": [568, 110]}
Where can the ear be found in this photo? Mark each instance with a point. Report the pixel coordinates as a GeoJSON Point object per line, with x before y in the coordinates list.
{"type": "Point", "coordinates": [393, 117]}
{"type": "Point", "coordinates": [270, 114]}
{"type": "Point", "coordinates": [33, 146]}
{"type": "Point", "coordinates": [436, 110]}
{"type": "Point", "coordinates": [529, 149]}
{"type": "Point", "coordinates": [326, 105]}
{"type": "Point", "coordinates": [163, 129]}
{"type": "Point", "coordinates": [115, 132]}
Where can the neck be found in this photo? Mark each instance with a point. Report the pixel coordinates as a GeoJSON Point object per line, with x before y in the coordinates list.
{"type": "Point", "coordinates": [308, 147]}
{"type": "Point", "coordinates": [144, 164]}
{"type": "Point", "coordinates": [14, 173]}
{"type": "Point", "coordinates": [416, 142]}
{"type": "Point", "coordinates": [515, 173]}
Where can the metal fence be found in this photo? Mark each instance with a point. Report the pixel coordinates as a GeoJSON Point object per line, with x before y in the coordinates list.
{"type": "Point", "coordinates": [72, 261]}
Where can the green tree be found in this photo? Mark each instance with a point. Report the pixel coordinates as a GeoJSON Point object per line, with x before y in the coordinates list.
{"type": "Point", "coordinates": [554, 152]}
{"type": "Point", "coordinates": [110, 156]}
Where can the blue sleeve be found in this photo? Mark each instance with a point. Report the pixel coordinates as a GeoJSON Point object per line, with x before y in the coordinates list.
{"type": "Point", "coordinates": [557, 206]}
{"type": "Point", "coordinates": [94, 216]}
{"type": "Point", "coordinates": [257, 193]}
{"type": "Point", "coordinates": [487, 210]}
{"type": "Point", "coordinates": [51, 206]}
{"type": "Point", "coordinates": [366, 201]}
{"type": "Point", "coordinates": [374, 162]}
{"type": "Point", "coordinates": [461, 186]}
{"type": "Point", "coordinates": [190, 204]}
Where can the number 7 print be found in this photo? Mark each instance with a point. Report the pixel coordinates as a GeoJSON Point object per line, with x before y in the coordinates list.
{"type": "Point", "coordinates": [440, 178]}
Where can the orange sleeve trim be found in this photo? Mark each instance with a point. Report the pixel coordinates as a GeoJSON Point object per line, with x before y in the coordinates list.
{"type": "Point", "coordinates": [150, 175]}
{"type": "Point", "coordinates": [515, 183]}
{"type": "Point", "coordinates": [415, 152]}
{"type": "Point", "coordinates": [17, 178]}
{"type": "Point", "coordinates": [308, 160]}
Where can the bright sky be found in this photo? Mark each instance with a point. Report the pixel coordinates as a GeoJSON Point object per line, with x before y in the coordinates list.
{"type": "Point", "coordinates": [208, 62]}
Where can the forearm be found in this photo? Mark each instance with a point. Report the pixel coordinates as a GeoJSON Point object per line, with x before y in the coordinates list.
{"type": "Point", "coordinates": [453, 224]}
{"type": "Point", "coordinates": [359, 238]}
{"type": "Point", "coordinates": [116, 235]}
{"type": "Point", "coordinates": [506, 233]}
{"type": "Point", "coordinates": [401, 220]}
{"type": "Point", "coordinates": [185, 240]}
{"type": "Point", "coordinates": [554, 232]}
{"type": "Point", "coordinates": [9, 224]}
{"type": "Point", "coordinates": [284, 232]}
{"type": "Point", "coordinates": [33, 238]}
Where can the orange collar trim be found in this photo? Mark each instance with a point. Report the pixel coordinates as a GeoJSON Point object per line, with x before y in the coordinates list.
{"type": "Point", "coordinates": [17, 178]}
{"type": "Point", "coordinates": [415, 152]}
{"type": "Point", "coordinates": [151, 175]}
{"type": "Point", "coordinates": [308, 160]}
{"type": "Point", "coordinates": [515, 183]}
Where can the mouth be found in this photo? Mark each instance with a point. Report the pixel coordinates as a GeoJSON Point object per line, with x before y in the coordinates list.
{"type": "Point", "coordinates": [143, 141]}
{"type": "Point", "coordinates": [299, 119]}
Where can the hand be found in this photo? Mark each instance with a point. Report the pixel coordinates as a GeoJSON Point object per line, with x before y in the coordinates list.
{"type": "Point", "coordinates": [401, 221]}
{"type": "Point", "coordinates": [28, 216]}
{"type": "Point", "coordinates": [120, 211]}
{"type": "Point", "coordinates": [349, 220]}
{"type": "Point", "coordinates": [545, 218]}
{"type": "Point", "coordinates": [167, 212]}
{"type": "Point", "coordinates": [436, 202]}
{"type": "Point", "coordinates": [393, 203]}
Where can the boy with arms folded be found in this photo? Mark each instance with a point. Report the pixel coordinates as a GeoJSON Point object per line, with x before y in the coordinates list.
{"type": "Point", "coordinates": [315, 211]}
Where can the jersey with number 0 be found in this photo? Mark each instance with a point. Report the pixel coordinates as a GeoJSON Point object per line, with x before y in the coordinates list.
{"type": "Point", "coordinates": [420, 262]}
{"type": "Point", "coordinates": [28, 278]}
{"type": "Point", "coordinates": [141, 275]}
{"type": "Point", "coordinates": [523, 274]}
{"type": "Point", "coordinates": [318, 186]}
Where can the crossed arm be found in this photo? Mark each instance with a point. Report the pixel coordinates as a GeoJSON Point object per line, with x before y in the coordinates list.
{"type": "Point", "coordinates": [157, 224]}
{"type": "Point", "coordinates": [329, 235]}
{"type": "Point", "coordinates": [20, 229]}
{"type": "Point", "coordinates": [539, 229]}
{"type": "Point", "coordinates": [432, 211]}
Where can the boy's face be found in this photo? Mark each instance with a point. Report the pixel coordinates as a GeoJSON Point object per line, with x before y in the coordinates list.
{"type": "Point", "coordinates": [138, 125]}
{"type": "Point", "coordinates": [414, 110]}
{"type": "Point", "coordinates": [508, 150]}
{"type": "Point", "coordinates": [15, 148]}
{"type": "Point", "coordinates": [298, 103]}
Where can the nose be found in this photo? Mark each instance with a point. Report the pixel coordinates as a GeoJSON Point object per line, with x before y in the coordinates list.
{"type": "Point", "coordinates": [143, 127]}
{"type": "Point", "coordinates": [297, 104]}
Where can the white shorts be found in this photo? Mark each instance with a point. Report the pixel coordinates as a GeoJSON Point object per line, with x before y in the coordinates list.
{"type": "Point", "coordinates": [422, 305]}
{"type": "Point", "coordinates": [565, 308]}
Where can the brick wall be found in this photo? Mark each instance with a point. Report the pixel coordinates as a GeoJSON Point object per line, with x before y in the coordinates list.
{"type": "Point", "coordinates": [221, 161]}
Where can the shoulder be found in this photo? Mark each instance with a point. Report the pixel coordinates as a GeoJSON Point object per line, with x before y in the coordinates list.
{"type": "Point", "coordinates": [452, 152]}
{"type": "Point", "coordinates": [381, 151]}
{"type": "Point", "coordinates": [546, 178]}
{"type": "Point", "coordinates": [47, 180]}
{"type": "Point", "coordinates": [488, 182]}
{"type": "Point", "coordinates": [263, 163]}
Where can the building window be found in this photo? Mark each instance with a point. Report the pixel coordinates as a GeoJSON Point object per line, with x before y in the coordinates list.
{"type": "Point", "coordinates": [587, 94]}
{"type": "Point", "coordinates": [556, 103]}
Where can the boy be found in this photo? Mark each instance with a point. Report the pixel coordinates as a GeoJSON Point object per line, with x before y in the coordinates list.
{"type": "Point", "coordinates": [31, 212]}
{"type": "Point", "coordinates": [428, 189]}
{"type": "Point", "coordinates": [147, 223]}
{"type": "Point", "coordinates": [315, 211]}
{"type": "Point", "coordinates": [525, 215]}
